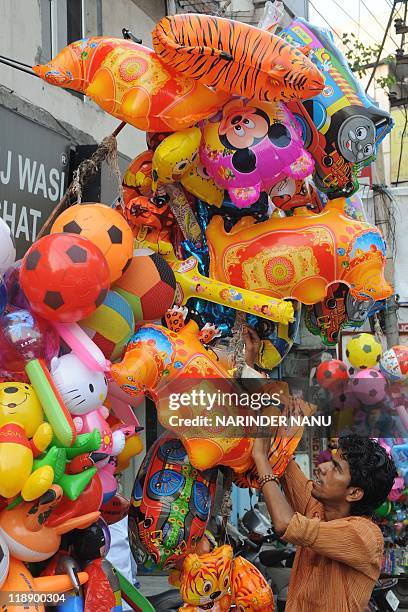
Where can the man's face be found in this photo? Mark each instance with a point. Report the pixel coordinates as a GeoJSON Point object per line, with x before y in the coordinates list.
{"type": "Point", "coordinates": [332, 480]}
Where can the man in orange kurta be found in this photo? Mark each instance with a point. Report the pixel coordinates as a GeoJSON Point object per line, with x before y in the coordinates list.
{"type": "Point", "coordinates": [339, 552]}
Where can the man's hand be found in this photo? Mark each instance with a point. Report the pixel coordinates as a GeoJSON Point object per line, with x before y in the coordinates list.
{"type": "Point", "coordinates": [252, 344]}
{"type": "Point", "coordinates": [278, 507]}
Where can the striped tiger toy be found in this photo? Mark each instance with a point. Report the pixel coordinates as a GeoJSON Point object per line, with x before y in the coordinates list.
{"type": "Point", "coordinates": [235, 57]}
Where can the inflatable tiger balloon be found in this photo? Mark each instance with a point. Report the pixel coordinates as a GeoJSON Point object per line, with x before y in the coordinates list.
{"type": "Point", "coordinates": [205, 581]}
{"type": "Point", "coordinates": [235, 57]}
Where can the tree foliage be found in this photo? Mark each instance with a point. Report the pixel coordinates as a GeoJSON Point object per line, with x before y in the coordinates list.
{"type": "Point", "coordinates": [361, 59]}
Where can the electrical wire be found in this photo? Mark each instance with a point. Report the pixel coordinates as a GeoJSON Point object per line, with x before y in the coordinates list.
{"type": "Point", "coordinates": [375, 19]}
{"type": "Point", "coordinates": [358, 24]}
{"type": "Point", "coordinates": [13, 64]}
{"type": "Point", "coordinates": [325, 20]}
{"type": "Point", "coordinates": [9, 59]}
{"type": "Point", "coordinates": [380, 50]}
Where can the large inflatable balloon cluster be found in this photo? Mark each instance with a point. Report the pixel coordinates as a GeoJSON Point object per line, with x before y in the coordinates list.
{"type": "Point", "coordinates": [242, 202]}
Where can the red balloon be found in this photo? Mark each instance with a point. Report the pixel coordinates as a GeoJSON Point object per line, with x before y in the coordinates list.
{"type": "Point", "coordinates": [115, 509]}
{"type": "Point", "coordinates": [330, 373]}
{"type": "Point", "coordinates": [89, 501]}
{"type": "Point", "coordinates": [65, 277]}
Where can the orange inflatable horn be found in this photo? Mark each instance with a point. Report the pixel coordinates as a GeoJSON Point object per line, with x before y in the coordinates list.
{"type": "Point", "coordinates": [20, 580]}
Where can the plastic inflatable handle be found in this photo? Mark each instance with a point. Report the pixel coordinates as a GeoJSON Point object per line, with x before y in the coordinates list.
{"type": "Point", "coordinates": [53, 405]}
{"type": "Point", "coordinates": [82, 345]}
{"type": "Point", "coordinates": [132, 596]}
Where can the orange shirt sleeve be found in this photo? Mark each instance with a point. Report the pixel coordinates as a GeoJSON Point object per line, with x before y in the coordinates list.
{"type": "Point", "coordinates": [354, 541]}
{"type": "Point", "coordinates": [297, 487]}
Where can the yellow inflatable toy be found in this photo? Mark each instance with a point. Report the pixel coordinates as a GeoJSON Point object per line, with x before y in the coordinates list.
{"type": "Point", "coordinates": [198, 182]}
{"type": "Point", "coordinates": [174, 156]}
{"type": "Point", "coordinates": [190, 283]}
{"type": "Point", "coordinates": [133, 446]}
{"type": "Point", "coordinates": [23, 436]}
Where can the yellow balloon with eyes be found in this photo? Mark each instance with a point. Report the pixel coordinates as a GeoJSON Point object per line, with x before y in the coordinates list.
{"type": "Point", "coordinates": [23, 436]}
{"type": "Point", "coordinates": [19, 403]}
{"type": "Point", "coordinates": [174, 156]}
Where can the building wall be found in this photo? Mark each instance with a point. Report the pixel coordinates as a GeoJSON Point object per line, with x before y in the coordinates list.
{"type": "Point", "coordinates": [26, 37]}
{"type": "Point", "coordinates": [397, 267]}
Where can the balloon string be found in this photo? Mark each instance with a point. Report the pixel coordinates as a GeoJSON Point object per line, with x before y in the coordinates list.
{"type": "Point", "coordinates": [107, 150]}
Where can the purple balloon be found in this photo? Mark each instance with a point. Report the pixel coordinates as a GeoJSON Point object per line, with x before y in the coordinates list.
{"type": "Point", "coordinates": [16, 296]}
{"type": "Point", "coordinates": [24, 337]}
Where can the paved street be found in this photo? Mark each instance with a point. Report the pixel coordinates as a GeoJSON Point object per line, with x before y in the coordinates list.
{"type": "Point", "coordinates": [153, 585]}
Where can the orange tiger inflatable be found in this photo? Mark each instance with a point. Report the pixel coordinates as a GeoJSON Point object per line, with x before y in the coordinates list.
{"type": "Point", "coordinates": [205, 581]}
{"type": "Point", "coordinates": [213, 580]}
{"type": "Point", "coordinates": [235, 57]}
{"type": "Point", "coordinates": [250, 591]}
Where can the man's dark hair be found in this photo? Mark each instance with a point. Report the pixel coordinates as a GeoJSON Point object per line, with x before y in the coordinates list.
{"type": "Point", "coordinates": [371, 468]}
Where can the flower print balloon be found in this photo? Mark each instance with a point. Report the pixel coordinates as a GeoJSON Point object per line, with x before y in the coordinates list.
{"type": "Point", "coordinates": [251, 146]}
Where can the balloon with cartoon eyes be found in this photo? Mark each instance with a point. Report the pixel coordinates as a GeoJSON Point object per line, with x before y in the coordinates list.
{"type": "Point", "coordinates": [356, 139]}
{"type": "Point", "coordinates": [250, 146]}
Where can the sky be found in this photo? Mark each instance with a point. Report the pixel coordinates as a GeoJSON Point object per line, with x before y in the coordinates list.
{"type": "Point", "coordinates": [366, 18]}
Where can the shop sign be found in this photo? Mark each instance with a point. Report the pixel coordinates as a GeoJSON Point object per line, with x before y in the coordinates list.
{"type": "Point", "coordinates": [34, 163]}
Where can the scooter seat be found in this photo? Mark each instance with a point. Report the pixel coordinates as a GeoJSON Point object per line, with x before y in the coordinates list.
{"type": "Point", "coordinates": [273, 557]}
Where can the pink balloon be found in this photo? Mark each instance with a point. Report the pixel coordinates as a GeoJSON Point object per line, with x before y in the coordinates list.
{"type": "Point", "coordinates": [252, 146]}
{"type": "Point", "coordinates": [369, 386]}
{"type": "Point", "coordinates": [346, 399]}
{"type": "Point", "coordinates": [397, 489]}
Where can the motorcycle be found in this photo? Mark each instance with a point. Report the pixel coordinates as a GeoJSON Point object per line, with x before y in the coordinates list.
{"type": "Point", "coordinates": [275, 562]}
{"type": "Point", "coordinates": [383, 598]}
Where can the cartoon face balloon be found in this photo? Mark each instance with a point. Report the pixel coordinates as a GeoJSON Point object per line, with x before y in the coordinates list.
{"type": "Point", "coordinates": [251, 146]}
{"type": "Point", "coordinates": [342, 127]}
{"type": "Point", "coordinates": [289, 193]}
{"type": "Point", "coordinates": [170, 503]}
{"type": "Point", "coordinates": [206, 579]}
{"type": "Point", "coordinates": [174, 156]}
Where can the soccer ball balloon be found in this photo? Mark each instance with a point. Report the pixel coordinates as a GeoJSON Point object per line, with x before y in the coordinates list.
{"type": "Point", "coordinates": [345, 400]}
{"type": "Point", "coordinates": [111, 325]}
{"type": "Point", "coordinates": [148, 285]}
{"type": "Point", "coordinates": [394, 363]}
{"type": "Point", "coordinates": [369, 386]}
{"type": "Point", "coordinates": [363, 351]}
{"type": "Point", "coordinates": [65, 277]}
{"type": "Point", "coordinates": [330, 373]}
{"type": "Point", "coordinates": [103, 226]}
{"type": "Point", "coordinates": [7, 247]}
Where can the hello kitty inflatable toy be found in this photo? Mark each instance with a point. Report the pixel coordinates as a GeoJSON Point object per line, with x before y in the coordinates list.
{"type": "Point", "coordinates": [84, 391]}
